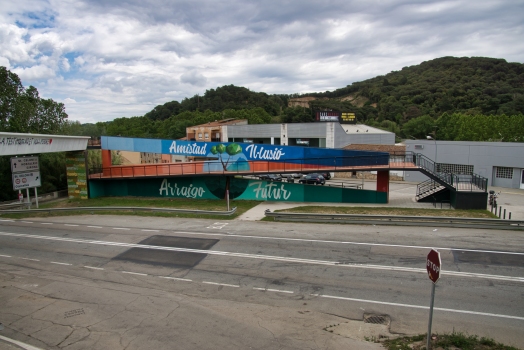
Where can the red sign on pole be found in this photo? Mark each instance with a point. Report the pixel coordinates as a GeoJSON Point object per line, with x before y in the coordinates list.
{"type": "Point", "coordinates": [433, 265]}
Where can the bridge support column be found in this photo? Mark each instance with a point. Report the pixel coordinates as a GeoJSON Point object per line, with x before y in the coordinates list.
{"type": "Point", "coordinates": [106, 162]}
{"type": "Point", "coordinates": [383, 182]}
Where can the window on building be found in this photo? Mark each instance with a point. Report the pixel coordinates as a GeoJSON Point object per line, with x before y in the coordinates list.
{"type": "Point", "coordinates": [199, 135]}
{"type": "Point", "coordinates": [504, 173]}
{"type": "Point", "coordinates": [206, 135]}
{"type": "Point", "coordinates": [454, 168]}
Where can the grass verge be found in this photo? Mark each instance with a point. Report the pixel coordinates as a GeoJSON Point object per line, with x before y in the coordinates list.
{"type": "Point", "coordinates": [391, 211]}
{"type": "Point", "coordinates": [174, 203]}
{"type": "Point", "coordinates": [454, 340]}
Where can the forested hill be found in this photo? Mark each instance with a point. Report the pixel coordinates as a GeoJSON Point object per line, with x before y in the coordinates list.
{"type": "Point", "coordinates": [220, 99]}
{"type": "Point", "coordinates": [474, 85]}
{"type": "Point", "coordinates": [469, 99]}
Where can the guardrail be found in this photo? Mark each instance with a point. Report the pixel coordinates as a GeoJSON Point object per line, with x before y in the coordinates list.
{"type": "Point", "coordinates": [438, 221]}
{"type": "Point", "coordinates": [167, 210]}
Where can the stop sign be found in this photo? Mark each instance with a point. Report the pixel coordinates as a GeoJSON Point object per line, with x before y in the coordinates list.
{"type": "Point", "coordinates": [433, 265]}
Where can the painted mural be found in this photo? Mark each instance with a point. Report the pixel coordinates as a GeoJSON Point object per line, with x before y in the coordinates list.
{"type": "Point", "coordinates": [231, 156]}
{"type": "Point", "coordinates": [76, 175]}
{"type": "Point", "coordinates": [240, 189]}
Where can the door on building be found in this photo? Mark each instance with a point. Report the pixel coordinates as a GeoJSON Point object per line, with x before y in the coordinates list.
{"type": "Point", "coordinates": [522, 180]}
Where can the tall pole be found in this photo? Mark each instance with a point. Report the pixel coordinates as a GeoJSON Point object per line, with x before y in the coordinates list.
{"type": "Point", "coordinates": [430, 315]}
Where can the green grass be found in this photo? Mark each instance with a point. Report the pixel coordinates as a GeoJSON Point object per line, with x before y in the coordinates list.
{"type": "Point", "coordinates": [174, 203]}
{"type": "Point", "coordinates": [454, 340]}
{"type": "Point", "coordinates": [390, 211]}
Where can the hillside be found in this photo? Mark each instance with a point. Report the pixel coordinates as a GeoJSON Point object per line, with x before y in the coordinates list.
{"type": "Point", "coordinates": [474, 85]}
{"type": "Point", "coordinates": [476, 99]}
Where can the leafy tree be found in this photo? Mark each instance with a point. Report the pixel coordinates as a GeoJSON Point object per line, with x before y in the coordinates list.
{"type": "Point", "coordinates": [24, 111]}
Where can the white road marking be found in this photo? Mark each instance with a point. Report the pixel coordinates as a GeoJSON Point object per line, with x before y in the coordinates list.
{"type": "Point", "coordinates": [94, 268]}
{"type": "Point", "coordinates": [27, 222]}
{"type": "Point", "coordinates": [176, 279]}
{"type": "Point", "coordinates": [120, 228]}
{"type": "Point", "coordinates": [317, 240]}
{"type": "Point", "coordinates": [150, 230]}
{"type": "Point", "coordinates": [424, 307]}
{"type": "Point", "coordinates": [19, 344]}
{"type": "Point", "coordinates": [70, 225]}
{"type": "Point", "coordinates": [30, 259]}
{"type": "Point", "coordinates": [273, 290]}
{"type": "Point", "coordinates": [218, 225]}
{"type": "Point", "coordinates": [221, 284]}
{"type": "Point", "coordinates": [5, 220]}
{"type": "Point", "coordinates": [60, 263]}
{"type": "Point", "coordinates": [134, 273]}
{"type": "Point", "coordinates": [6, 256]}
{"type": "Point", "coordinates": [348, 242]}
{"type": "Point", "coordinates": [268, 257]}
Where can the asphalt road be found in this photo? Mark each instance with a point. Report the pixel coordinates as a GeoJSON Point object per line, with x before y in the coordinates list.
{"type": "Point", "coordinates": [125, 282]}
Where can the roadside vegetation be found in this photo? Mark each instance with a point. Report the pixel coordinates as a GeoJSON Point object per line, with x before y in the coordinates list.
{"type": "Point", "coordinates": [391, 211]}
{"type": "Point", "coordinates": [220, 205]}
{"type": "Point", "coordinates": [173, 203]}
{"type": "Point", "coordinates": [454, 341]}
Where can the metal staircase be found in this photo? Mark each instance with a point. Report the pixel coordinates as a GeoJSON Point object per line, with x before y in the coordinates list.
{"type": "Point", "coordinates": [445, 185]}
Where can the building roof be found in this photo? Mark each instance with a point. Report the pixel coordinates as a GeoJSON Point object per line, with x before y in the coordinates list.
{"type": "Point", "coordinates": [229, 121]}
{"type": "Point", "coordinates": [358, 128]}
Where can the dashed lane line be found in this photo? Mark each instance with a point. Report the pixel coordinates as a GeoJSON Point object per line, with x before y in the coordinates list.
{"type": "Point", "coordinates": [221, 284]}
{"type": "Point", "coordinates": [268, 257]}
{"type": "Point", "coordinates": [176, 278]}
{"type": "Point", "coordinates": [134, 273]}
{"type": "Point", "coordinates": [71, 225]}
{"type": "Point", "coordinates": [273, 290]}
{"type": "Point", "coordinates": [60, 263]}
{"type": "Point", "coordinates": [95, 226]}
{"type": "Point", "coordinates": [30, 259]}
{"type": "Point", "coordinates": [467, 312]}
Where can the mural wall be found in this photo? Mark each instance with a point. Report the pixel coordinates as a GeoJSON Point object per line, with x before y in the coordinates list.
{"type": "Point", "coordinates": [76, 175]}
{"type": "Point", "coordinates": [232, 156]}
{"type": "Point", "coordinates": [213, 187]}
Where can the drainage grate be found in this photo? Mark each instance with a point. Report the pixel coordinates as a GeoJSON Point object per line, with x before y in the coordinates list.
{"type": "Point", "coordinates": [376, 319]}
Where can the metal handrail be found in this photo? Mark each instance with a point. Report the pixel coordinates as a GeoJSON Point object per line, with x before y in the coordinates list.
{"type": "Point", "coordinates": [440, 221]}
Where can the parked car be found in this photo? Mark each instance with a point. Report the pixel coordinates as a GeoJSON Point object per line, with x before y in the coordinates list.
{"type": "Point", "coordinates": [290, 177]}
{"type": "Point", "coordinates": [313, 179]}
{"type": "Point", "coordinates": [327, 176]}
{"type": "Point", "coordinates": [270, 177]}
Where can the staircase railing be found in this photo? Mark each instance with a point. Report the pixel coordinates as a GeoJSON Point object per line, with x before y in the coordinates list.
{"type": "Point", "coordinates": [459, 182]}
{"type": "Point", "coordinates": [426, 187]}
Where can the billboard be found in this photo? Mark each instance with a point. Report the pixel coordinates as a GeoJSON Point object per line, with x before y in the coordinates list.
{"type": "Point", "coordinates": [335, 116]}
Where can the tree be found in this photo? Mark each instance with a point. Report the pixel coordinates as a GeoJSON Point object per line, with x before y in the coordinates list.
{"type": "Point", "coordinates": [10, 90]}
{"type": "Point", "coordinates": [24, 111]}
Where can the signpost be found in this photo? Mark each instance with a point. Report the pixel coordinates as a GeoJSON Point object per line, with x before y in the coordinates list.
{"type": "Point", "coordinates": [26, 180]}
{"type": "Point", "coordinates": [433, 265]}
{"type": "Point", "coordinates": [26, 174]}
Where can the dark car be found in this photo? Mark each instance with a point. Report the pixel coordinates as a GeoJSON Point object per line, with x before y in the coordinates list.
{"type": "Point", "coordinates": [327, 176]}
{"type": "Point", "coordinates": [270, 177]}
{"type": "Point", "coordinates": [313, 179]}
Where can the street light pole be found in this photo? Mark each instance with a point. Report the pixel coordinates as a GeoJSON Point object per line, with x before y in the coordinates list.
{"type": "Point", "coordinates": [434, 138]}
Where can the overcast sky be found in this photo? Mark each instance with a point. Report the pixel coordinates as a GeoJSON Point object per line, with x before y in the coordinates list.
{"type": "Point", "coordinates": [106, 59]}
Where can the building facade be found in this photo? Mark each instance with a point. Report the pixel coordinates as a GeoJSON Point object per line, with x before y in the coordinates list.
{"type": "Point", "coordinates": [320, 134]}
{"type": "Point", "coordinates": [502, 163]}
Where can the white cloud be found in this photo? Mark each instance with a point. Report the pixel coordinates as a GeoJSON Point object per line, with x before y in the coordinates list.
{"type": "Point", "coordinates": [107, 58]}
